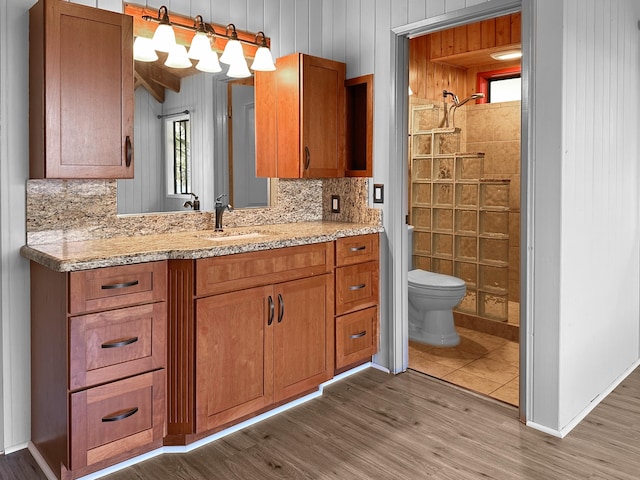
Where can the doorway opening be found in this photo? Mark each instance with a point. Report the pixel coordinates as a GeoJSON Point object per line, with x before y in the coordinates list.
{"type": "Point", "coordinates": [464, 170]}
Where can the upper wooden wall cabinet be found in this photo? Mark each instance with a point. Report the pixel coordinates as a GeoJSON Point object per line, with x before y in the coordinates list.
{"type": "Point", "coordinates": [81, 99]}
{"type": "Point", "coordinates": [301, 114]}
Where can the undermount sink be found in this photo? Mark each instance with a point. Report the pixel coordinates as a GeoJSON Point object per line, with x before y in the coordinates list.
{"type": "Point", "coordinates": [231, 235]}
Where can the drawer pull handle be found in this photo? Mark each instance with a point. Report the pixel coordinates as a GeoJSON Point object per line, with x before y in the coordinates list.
{"type": "Point", "coordinates": [116, 417]}
{"type": "Point", "coordinates": [113, 286]}
{"type": "Point", "coordinates": [357, 249]}
{"type": "Point", "coordinates": [281, 312]}
{"type": "Point", "coordinates": [271, 311]}
{"type": "Point", "coordinates": [128, 151]}
{"type": "Point", "coordinates": [357, 287]}
{"type": "Point", "coordinates": [358, 335]}
{"type": "Point", "coordinates": [122, 343]}
{"type": "Point", "coordinates": [307, 158]}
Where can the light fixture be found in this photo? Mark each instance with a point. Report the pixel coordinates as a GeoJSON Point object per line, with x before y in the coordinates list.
{"type": "Point", "coordinates": [209, 63]}
{"type": "Point", "coordinates": [503, 55]}
{"type": "Point", "coordinates": [164, 40]}
{"type": "Point", "coordinates": [178, 57]}
{"type": "Point", "coordinates": [201, 43]}
{"type": "Point", "coordinates": [164, 37]}
{"type": "Point", "coordinates": [143, 50]}
{"type": "Point", "coordinates": [233, 49]}
{"type": "Point", "coordinates": [263, 61]}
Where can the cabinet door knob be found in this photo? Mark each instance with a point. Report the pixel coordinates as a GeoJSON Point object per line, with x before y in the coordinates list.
{"type": "Point", "coordinates": [307, 158]}
{"type": "Point", "coordinates": [116, 417]}
{"type": "Point", "coordinates": [114, 286]}
{"type": "Point", "coordinates": [128, 151]}
{"type": "Point", "coordinates": [358, 335]}
{"type": "Point", "coordinates": [271, 311]}
{"type": "Point", "coordinates": [281, 303]}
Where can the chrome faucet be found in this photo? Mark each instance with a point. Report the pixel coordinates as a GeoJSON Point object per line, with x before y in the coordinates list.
{"type": "Point", "coordinates": [220, 208]}
{"type": "Point", "coordinates": [195, 204]}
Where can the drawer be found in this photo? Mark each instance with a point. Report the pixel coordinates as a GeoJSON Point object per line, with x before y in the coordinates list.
{"type": "Point", "coordinates": [115, 344]}
{"type": "Point", "coordinates": [356, 337]}
{"type": "Point", "coordinates": [117, 420]}
{"type": "Point", "coordinates": [246, 270]}
{"type": "Point", "coordinates": [356, 287]}
{"type": "Point", "coordinates": [359, 249]}
{"type": "Point", "coordinates": [113, 287]}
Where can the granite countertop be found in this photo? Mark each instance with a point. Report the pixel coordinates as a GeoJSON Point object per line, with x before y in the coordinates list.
{"type": "Point", "coordinates": [83, 255]}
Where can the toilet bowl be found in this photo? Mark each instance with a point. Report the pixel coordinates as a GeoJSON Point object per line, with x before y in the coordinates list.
{"type": "Point", "coordinates": [432, 297]}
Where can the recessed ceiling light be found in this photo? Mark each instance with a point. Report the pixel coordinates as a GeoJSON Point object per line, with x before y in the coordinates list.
{"type": "Point", "coordinates": [506, 55]}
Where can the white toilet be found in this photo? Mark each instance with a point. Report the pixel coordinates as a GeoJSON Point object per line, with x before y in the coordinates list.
{"type": "Point", "coordinates": [432, 296]}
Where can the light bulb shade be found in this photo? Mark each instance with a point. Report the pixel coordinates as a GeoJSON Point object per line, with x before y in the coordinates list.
{"type": "Point", "coordinates": [143, 50]}
{"type": "Point", "coordinates": [200, 46]}
{"type": "Point", "coordinates": [232, 52]}
{"type": "Point", "coordinates": [263, 61]}
{"type": "Point", "coordinates": [164, 38]}
{"type": "Point", "coordinates": [239, 69]}
{"type": "Point", "coordinates": [178, 58]}
{"type": "Point", "coordinates": [209, 63]}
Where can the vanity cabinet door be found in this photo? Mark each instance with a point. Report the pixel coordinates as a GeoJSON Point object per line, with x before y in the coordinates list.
{"type": "Point", "coordinates": [234, 356]}
{"type": "Point", "coordinates": [81, 99]}
{"type": "Point", "coordinates": [303, 338]}
{"type": "Point", "coordinates": [300, 114]}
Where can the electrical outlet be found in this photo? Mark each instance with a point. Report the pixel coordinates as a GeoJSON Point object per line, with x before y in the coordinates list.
{"type": "Point", "coordinates": [335, 203]}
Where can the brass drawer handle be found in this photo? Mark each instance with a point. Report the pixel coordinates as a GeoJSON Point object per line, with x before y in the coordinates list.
{"type": "Point", "coordinates": [116, 417]}
{"type": "Point", "coordinates": [357, 287]}
{"type": "Point", "coordinates": [122, 343]}
{"type": "Point", "coordinates": [113, 286]}
{"type": "Point", "coordinates": [357, 249]}
{"type": "Point", "coordinates": [358, 335]}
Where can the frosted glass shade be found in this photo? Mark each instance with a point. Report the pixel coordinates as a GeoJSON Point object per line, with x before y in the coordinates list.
{"type": "Point", "coordinates": [238, 69]}
{"type": "Point", "coordinates": [263, 61]}
{"type": "Point", "coordinates": [232, 52]}
{"type": "Point", "coordinates": [178, 58]}
{"type": "Point", "coordinates": [200, 46]}
{"type": "Point", "coordinates": [164, 38]}
{"type": "Point", "coordinates": [143, 50]}
{"type": "Point", "coordinates": [209, 63]}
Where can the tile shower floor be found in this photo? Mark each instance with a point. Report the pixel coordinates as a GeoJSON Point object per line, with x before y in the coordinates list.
{"type": "Point", "coordinates": [481, 362]}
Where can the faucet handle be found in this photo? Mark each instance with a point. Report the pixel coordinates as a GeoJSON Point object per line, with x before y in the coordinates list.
{"type": "Point", "coordinates": [220, 197]}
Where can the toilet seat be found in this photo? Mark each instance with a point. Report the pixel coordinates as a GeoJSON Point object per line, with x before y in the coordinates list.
{"type": "Point", "coordinates": [436, 281]}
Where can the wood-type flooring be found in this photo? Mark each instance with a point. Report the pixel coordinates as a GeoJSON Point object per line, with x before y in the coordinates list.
{"type": "Point", "coordinates": [372, 425]}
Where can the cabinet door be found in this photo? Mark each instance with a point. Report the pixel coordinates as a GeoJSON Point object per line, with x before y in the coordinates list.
{"type": "Point", "coordinates": [303, 337]}
{"type": "Point", "coordinates": [234, 356]}
{"type": "Point", "coordinates": [322, 147]}
{"type": "Point", "coordinates": [81, 118]}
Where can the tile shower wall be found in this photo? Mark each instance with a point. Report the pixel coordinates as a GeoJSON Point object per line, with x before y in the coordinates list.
{"type": "Point", "coordinates": [74, 210]}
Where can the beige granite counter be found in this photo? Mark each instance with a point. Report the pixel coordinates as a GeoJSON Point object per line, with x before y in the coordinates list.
{"type": "Point", "coordinates": [83, 255]}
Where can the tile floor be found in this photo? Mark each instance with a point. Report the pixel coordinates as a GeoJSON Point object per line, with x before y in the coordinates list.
{"type": "Point", "coordinates": [481, 362]}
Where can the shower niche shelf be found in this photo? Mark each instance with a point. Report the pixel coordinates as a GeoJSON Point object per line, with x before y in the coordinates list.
{"type": "Point", "coordinates": [460, 219]}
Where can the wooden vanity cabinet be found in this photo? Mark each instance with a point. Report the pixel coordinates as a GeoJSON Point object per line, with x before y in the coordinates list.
{"type": "Point", "coordinates": [81, 99]}
{"type": "Point", "coordinates": [357, 292]}
{"type": "Point", "coordinates": [98, 351]}
{"type": "Point", "coordinates": [300, 114]}
{"type": "Point", "coordinates": [262, 333]}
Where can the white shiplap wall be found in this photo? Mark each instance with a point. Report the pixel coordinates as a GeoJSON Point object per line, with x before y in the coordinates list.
{"type": "Point", "coordinates": [359, 32]}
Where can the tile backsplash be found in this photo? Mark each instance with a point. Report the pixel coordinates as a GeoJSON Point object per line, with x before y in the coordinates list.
{"type": "Point", "coordinates": [73, 210]}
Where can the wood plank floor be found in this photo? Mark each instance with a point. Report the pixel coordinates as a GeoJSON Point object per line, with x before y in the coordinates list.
{"type": "Point", "coordinates": [409, 426]}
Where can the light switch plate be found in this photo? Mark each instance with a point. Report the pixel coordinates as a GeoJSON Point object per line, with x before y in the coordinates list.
{"type": "Point", "coordinates": [378, 193]}
{"type": "Point", "coordinates": [335, 203]}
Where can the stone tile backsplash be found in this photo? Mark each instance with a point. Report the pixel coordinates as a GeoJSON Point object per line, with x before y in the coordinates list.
{"type": "Point", "coordinates": [73, 210]}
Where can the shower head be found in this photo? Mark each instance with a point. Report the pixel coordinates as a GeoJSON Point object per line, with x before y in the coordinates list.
{"type": "Point", "coordinates": [472, 97]}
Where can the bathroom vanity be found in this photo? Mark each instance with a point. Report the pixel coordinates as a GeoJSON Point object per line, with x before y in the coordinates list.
{"type": "Point", "coordinates": [138, 344]}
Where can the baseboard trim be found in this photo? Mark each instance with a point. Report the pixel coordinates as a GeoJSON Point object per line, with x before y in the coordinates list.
{"type": "Point", "coordinates": [564, 431]}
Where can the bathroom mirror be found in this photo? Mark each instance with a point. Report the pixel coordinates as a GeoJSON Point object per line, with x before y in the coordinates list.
{"type": "Point", "coordinates": [221, 147]}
